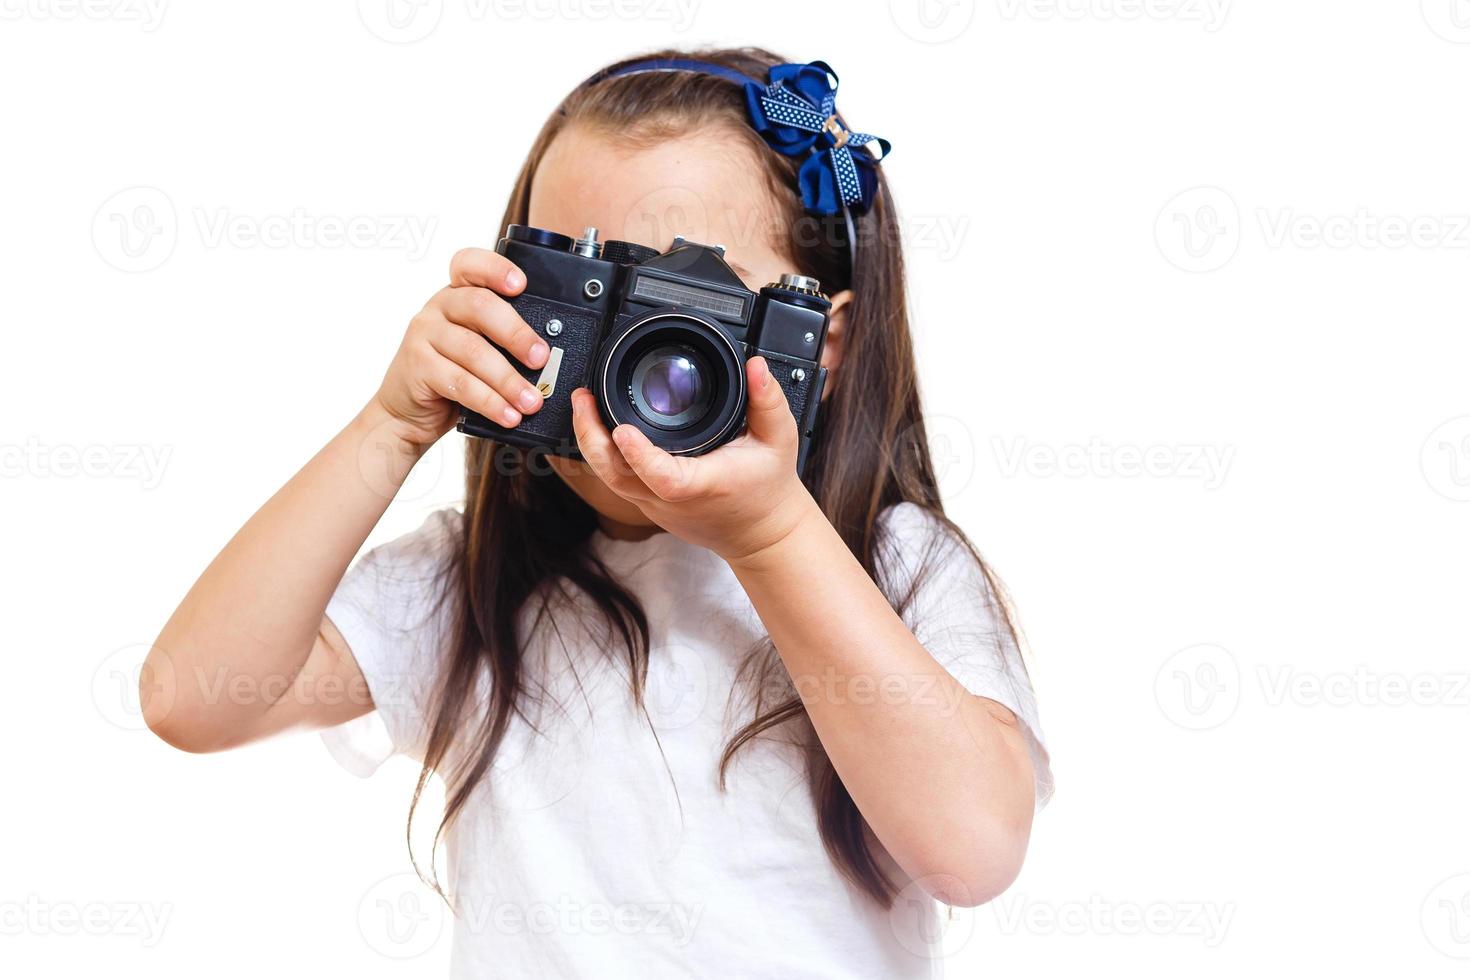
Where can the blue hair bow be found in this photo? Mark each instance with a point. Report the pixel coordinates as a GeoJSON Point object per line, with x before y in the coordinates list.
{"type": "Point", "coordinates": [796, 113]}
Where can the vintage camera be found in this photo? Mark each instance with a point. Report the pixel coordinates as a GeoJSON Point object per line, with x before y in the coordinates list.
{"type": "Point", "coordinates": [660, 339]}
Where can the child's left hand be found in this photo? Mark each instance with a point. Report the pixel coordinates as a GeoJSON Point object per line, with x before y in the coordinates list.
{"type": "Point", "coordinates": [737, 501]}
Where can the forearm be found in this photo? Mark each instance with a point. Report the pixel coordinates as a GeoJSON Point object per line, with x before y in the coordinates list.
{"type": "Point", "coordinates": [940, 775]}
{"type": "Point", "coordinates": [253, 616]}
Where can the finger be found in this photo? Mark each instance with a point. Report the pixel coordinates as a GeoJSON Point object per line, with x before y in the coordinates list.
{"type": "Point", "coordinates": [452, 381]}
{"type": "Point", "coordinates": [671, 478]}
{"type": "Point", "coordinates": [599, 450]}
{"type": "Point", "coordinates": [487, 269]}
{"type": "Point", "coordinates": [481, 310]}
{"type": "Point", "coordinates": [767, 413]}
{"type": "Point", "coordinates": [469, 350]}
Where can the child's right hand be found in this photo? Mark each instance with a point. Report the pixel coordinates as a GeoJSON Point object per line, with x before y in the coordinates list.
{"type": "Point", "coordinates": [444, 360]}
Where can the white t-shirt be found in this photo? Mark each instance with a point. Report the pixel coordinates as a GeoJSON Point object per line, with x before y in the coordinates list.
{"type": "Point", "coordinates": [596, 849]}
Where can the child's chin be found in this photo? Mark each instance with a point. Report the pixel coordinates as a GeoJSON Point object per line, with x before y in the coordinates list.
{"type": "Point", "coordinates": [589, 486]}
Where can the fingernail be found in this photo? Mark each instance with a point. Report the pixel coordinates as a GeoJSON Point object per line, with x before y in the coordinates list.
{"type": "Point", "coordinates": [529, 398]}
{"type": "Point", "coordinates": [514, 279]}
{"type": "Point", "coordinates": [511, 416]}
{"type": "Point", "coordinates": [539, 353]}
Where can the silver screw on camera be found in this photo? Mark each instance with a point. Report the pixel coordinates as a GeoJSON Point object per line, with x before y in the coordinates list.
{"type": "Point", "coordinates": [810, 338]}
{"type": "Point", "coordinates": [553, 328]}
{"type": "Point", "coordinates": [798, 375]}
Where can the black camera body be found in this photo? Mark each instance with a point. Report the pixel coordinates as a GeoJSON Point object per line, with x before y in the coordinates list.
{"type": "Point", "coordinates": [660, 339]}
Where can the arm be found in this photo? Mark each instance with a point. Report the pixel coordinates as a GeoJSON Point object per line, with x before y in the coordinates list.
{"type": "Point", "coordinates": [942, 777]}
{"type": "Point", "coordinates": [249, 653]}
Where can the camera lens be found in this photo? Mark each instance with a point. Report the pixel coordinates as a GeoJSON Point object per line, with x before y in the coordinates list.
{"type": "Point", "coordinates": [676, 375]}
{"type": "Point", "coordinates": [671, 386]}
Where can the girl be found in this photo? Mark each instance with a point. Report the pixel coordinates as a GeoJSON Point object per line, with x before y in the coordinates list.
{"type": "Point", "coordinates": [694, 715]}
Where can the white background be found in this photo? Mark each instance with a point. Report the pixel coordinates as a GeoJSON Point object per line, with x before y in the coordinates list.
{"type": "Point", "coordinates": [1190, 283]}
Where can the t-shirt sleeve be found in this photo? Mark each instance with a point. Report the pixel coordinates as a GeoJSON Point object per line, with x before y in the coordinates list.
{"type": "Point", "coordinates": [390, 609]}
{"type": "Point", "coordinates": [958, 617]}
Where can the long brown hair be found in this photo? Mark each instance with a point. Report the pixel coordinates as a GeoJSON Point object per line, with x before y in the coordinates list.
{"type": "Point", "coordinates": [525, 533]}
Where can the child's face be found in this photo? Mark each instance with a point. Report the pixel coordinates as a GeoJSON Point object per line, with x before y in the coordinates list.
{"type": "Point", "coordinates": [703, 185]}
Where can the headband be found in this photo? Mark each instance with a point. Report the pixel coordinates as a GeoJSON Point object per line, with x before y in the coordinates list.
{"type": "Point", "coordinates": [795, 111]}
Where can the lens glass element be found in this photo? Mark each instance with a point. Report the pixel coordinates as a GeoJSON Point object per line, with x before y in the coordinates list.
{"type": "Point", "coordinates": [671, 386]}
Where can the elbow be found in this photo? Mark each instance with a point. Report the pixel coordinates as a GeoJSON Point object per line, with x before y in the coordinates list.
{"type": "Point", "coordinates": [194, 737]}
{"type": "Point", "coordinates": [972, 888]}
{"type": "Point", "coordinates": [169, 714]}
{"type": "Point", "coordinates": [979, 871]}
{"type": "Point", "coordinates": [973, 883]}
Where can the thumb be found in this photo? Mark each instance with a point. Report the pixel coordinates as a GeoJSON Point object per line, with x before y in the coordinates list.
{"type": "Point", "coordinates": [767, 412]}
